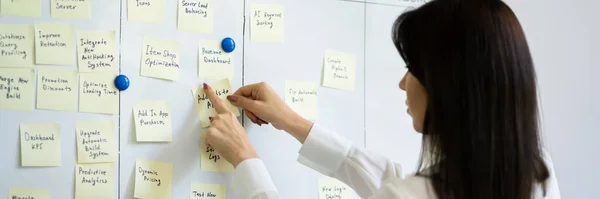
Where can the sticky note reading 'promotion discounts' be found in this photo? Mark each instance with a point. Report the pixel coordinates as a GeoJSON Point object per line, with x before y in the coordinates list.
{"type": "Point", "coordinates": [152, 179]}
{"type": "Point", "coordinates": [98, 94]}
{"type": "Point", "coordinates": [54, 43]}
{"type": "Point", "coordinates": [28, 193]}
{"type": "Point", "coordinates": [146, 11]}
{"type": "Point", "coordinates": [196, 16]}
{"type": "Point", "coordinates": [73, 9]}
{"type": "Point", "coordinates": [339, 70]}
{"type": "Point", "coordinates": [96, 51]}
{"type": "Point", "coordinates": [160, 58]}
{"type": "Point", "coordinates": [214, 191]}
{"type": "Point", "coordinates": [25, 8]}
{"type": "Point", "coordinates": [210, 160]}
{"type": "Point", "coordinates": [267, 24]}
{"type": "Point", "coordinates": [333, 188]}
{"type": "Point", "coordinates": [213, 62]}
{"type": "Point", "coordinates": [16, 89]}
{"type": "Point", "coordinates": [152, 121]}
{"type": "Point", "coordinates": [302, 98]}
{"type": "Point", "coordinates": [40, 144]}
{"type": "Point", "coordinates": [57, 89]}
{"type": "Point", "coordinates": [94, 180]}
{"type": "Point", "coordinates": [206, 108]}
{"type": "Point", "coordinates": [16, 45]}
{"type": "Point", "coordinates": [96, 141]}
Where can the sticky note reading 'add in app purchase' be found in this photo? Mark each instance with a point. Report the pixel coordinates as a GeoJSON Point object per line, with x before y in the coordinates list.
{"type": "Point", "coordinates": [213, 62]}
{"type": "Point", "coordinates": [96, 51]}
{"type": "Point", "coordinates": [152, 121]}
{"type": "Point", "coordinates": [16, 88]}
{"type": "Point", "coordinates": [96, 141]}
{"type": "Point", "coordinates": [206, 108]}
{"type": "Point", "coordinates": [72, 9]}
{"type": "Point", "coordinates": [27, 193]}
{"type": "Point", "coordinates": [266, 23]}
{"type": "Point", "coordinates": [17, 45]}
{"type": "Point", "coordinates": [339, 70]}
{"type": "Point", "coordinates": [57, 89]}
{"type": "Point", "coordinates": [214, 191]}
{"type": "Point", "coordinates": [333, 188]}
{"type": "Point", "coordinates": [98, 94]}
{"type": "Point", "coordinates": [24, 8]}
{"type": "Point", "coordinates": [302, 98]}
{"type": "Point", "coordinates": [147, 11]}
{"type": "Point", "coordinates": [54, 43]}
{"type": "Point", "coordinates": [40, 144]}
{"type": "Point", "coordinates": [196, 16]}
{"type": "Point", "coordinates": [152, 179]}
{"type": "Point", "coordinates": [160, 58]}
{"type": "Point", "coordinates": [94, 180]}
{"type": "Point", "coordinates": [210, 160]}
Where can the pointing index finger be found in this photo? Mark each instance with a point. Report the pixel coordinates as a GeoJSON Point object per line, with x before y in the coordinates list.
{"type": "Point", "coordinates": [219, 105]}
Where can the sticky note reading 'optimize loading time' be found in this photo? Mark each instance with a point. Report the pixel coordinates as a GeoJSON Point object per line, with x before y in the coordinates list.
{"type": "Point", "coordinates": [71, 9]}
{"type": "Point", "coordinates": [96, 141]}
{"type": "Point", "coordinates": [24, 8]}
{"type": "Point", "coordinates": [16, 89]}
{"type": "Point", "coordinates": [17, 45]}
{"type": "Point", "coordinates": [214, 191]}
{"type": "Point", "coordinates": [339, 70]}
{"type": "Point", "coordinates": [160, 58]}
{"type": "Point", "coordinates": [27, 193]}
{"type": "Point", "coordinates": [57, 89]}
{"type": "Point", "coordinates": [152, 179]}
{"type": "Point", "coordinates": [40, 144]}
{"type": "Point", "coordinates": [210, 160]}
{"type": "Point", "coordinates": [213, 62]}
{"type": "Point", "coordinates": [302, 98]}
{"type": "Point", "coordinates": [267, 23]}
{"type": "Point", "coordinates": [98, 94]}
{"type": "Point", "coordinates": [54, 43]}
{"type": "Point", "coordinates": [94, 180]}
{"type": "Point", "coordinates": [333, 188]}
{"type": "Point", "coordinates": [96, 51]}
{"type": "Point", "coordinates": [146, 11]}
{"type": "Point", "coordinates": [152, 121]}
{"type": "Point", "coordinates": [196, 16]}
{"type": "Point", "coordinates": [206, 108]}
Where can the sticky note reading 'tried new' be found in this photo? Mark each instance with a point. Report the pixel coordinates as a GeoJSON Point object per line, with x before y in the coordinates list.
{"type": "Point", "coordinates": [98, 94]}
{"type": "Point", "coordinates": [57, 89]}
{"type": "Point", "coordinates": [214, 191]}
{"type": "Point", "coordinates": [267, 24]}
{"type": "Point", "coordinates": [160, 58]}
{"type": "Point", "coordinates": [17, 45]}
{"type": "Point", "coordinates": [28, 193]}
{"type": "Point", "coordinates": [40, 144]}
{"type": "Point", "coordinates": [152, 121]}
{"type": "Point", "coordinates": [196, 16]}
{"type": "Point", "coordinates": [206, 108]}
{"type": "Point", "coordinates": [96, 51]}
{"type": "Point", "coordinates": [148, 11]}
{"type": "Point", "coordinates": [152, 179]}
{"type": "Point", "coordinates": [213, 62]}
{"type": "Point", "coordinates": [210, 160]}
{"type": "Point", "coordinates": [94, 180]}
{"type": "Point", "coordinates": [54, 43]}
{"type": "Point", "coordinates": [25, 8]}
{"type": "Point", "coordinates": [333, 188]}
{"type": "Point", "coordinates": [73, 9]}
{"type": "Point", "coordinates": [96, 141]}
{"type": "Point", "coordinates": [339, 70]}
{"type": "Point", "coordinates": [16, 88]}
{"type": "Point", "coordinates": [302, 98]}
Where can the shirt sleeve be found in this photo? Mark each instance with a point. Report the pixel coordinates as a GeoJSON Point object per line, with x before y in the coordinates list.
{"type": "Point", "coordinates": [251, 180]}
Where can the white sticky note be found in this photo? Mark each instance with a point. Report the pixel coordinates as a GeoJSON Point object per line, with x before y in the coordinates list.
{"type": "Point", "coordinates": [214, 191]}
{"type": "Point", "coordinates": [213, 62]}
{"type": "Point", "coordinates": [54, 43]}
{"type": "Point", "coordinates": [96, 141]}
{"type": "Point", "coordinates": [196, 16]}
{"type": "Point", "coordinates": [98, 94]}
{"type": "Point", "coordinates": [160, 58]}
{"type": "Point", "coordinates": [71, 9]}
{"type": "Point", "coordinates": [333, 188]}
{"type": "Point", "coordinates": [152, 179]}
{"type": "Point", "coordinates": [40, 144]}
{"type": "Point", "coordinates": [24, 8]}
{"type": "Point", "coordinates": [152, 121]}
{"type": "Point", "coordinates": [17, 45]}
{"type": "Point", "coordinates": [302, 98]}
{"type": "Point", "coordinates": [96, 51]}
{"type": "Point", "coordinates": [339, 70]}
{"type": "Point", "coordinates": [210, 160]}
{"type": "Point", "coordinates": [28, 193]}
{"type": "Point", "coordinates": [57, 89]}
{"type": "Point", "coordinates": [94, 181]}
{"type": "Point", "coordinates": [266, 23]}
{"type": "Point", "coordinates": [16, 89]}
{"type": "Point", "coordinates": [146, 11]}
{"type": "Point", "coordinates": [205, 107]}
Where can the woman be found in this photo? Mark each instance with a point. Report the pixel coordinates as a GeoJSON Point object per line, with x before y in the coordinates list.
{"type": "Point", "coordinates": [471, 91]}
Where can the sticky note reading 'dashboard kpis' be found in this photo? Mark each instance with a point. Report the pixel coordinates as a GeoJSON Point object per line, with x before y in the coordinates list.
{"type": "Point", "coordinates": [54, 43]}
{"type": "Point", "coordinates": [96, 141]}
{"type": "Point", "coordinates": [152, 179]}
{"type": "Point", "coordinates": [16, 88]}
{"type": "Point", "coordinates": [214, 191]}
{"type": "Point", "coordinates": [267, 23]}
{"type": "Point", "coordinates": [339, 70]}
{"type": "Point", "coordinates": [332, 188]}
{"type": "Point", "coordinates": [17, 45]}
{"type": "Point", "coordinates": [94, 180]}
{"type": "Point", "coordinates": [96, 51]}
{"type": "Point", "coordinates": [73, 9]}
{"type": "Point", "coordinates": [57, 89]}
{"type": "Point", "coordinates": [302, 98]}
{"type": "Point", "coordinates": [25, 8]}
{"type": "Point", "coordinates": [204, 105]}
{"type": "Point", "coordinates": [160, 58]}
{"type": "Point", "coordinates": [152, 121]}
{"type": "Point", "coordinates": [40, 144]}
{"type": "Point", "coordinates": [148, 11]}
{"type": "Point", "coordinates": [28, 193]}
{"type": "Point", "coordinates": [196, 16]}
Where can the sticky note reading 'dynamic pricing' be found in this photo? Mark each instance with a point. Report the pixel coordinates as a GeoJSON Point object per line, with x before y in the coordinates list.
{"type": "Point", "coordinates": [152, 179]}
{"type": "Point", "coordinates": [205, 107]}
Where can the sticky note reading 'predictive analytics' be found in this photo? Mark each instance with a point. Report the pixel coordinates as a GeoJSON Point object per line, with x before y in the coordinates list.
{"type": "Point", "coordinates": [98, 94]}
{"type": "Point", "coordinates": [28, 193]}
{"type": "Point", "coordinates": [24, 8]}
{"type": "Point", "coordinates": [210, 160]}
{"type": "Point", "coordinates": [73, 9]}
{"type": "Point", "coordinates": [96, 51]}
{"type": "Point", "coordinates": [206, 108]}
{"type": "Point", "coordinates": [147, 11]}
{"type": "Point", "coordinates": [339, 70]}
{"type": "Point", "coordinates": [40, 144]}
{"type": "Point", "coordinates": [96, 141]}
{"type": "Point", "coordinates": [160, 58]}
{"type": "Point", "coordinates": [152, 179]}
{"type": "Point", "coordinates": [333, 188]}
{"type": "Point", "coordinates": [152, 121]}
{"type": "Point", "coordinates": [213, 62]}
{"type": "Point", "coordinates": [196, 16]}
{"type": "Point", "coordinates": [94, 180]}
{"type": "Point", "coordinates": [267, 23]}
{"type": "Point", "coordinates": [302, 98]}
{"type": "Point", "coordinates": [16, 89]}
{"type": "Point", "coordinates": [57, 89]}
{"type": "Point", "coordinates": [54, 43]}
{"type": "Point", "coordinates": [17, 45]}
{"type": "Point", "coordinates": [214, 191]}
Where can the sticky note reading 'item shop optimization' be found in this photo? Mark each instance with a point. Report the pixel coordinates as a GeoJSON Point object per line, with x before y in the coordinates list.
{"type": "Point", "coordinates": [210, 160]}
{"type": "Point", "coordinates": [98, 94]}
{"type": "Point", "coordinates": [40, 144]}
{"type": "Point", "coordinates": [94, 180]}
{"type": "Point", "coordinates": [28, 193]}
{"type": "Point", "coordinates": [195, 16]}
{"type": "Point", "coordinates": [333, 188]}
{"type": "Point", "coordinates": [206, 108]}
{"type": "Point", "coordinates": [96, 141]}
{"type": "Point", "coordinates": [160, 58]}
{"type": "Point", "coordinates": [213, 62]}
{"type": "Point", "coordinates": [16, 45]}
{"type": "Point", "coordinates": [214, 191]}
{"type": "Point", "coordinates": [152, 179]}
{"type": "Point", "coordinates": [267, 24]}
{"type": "Point", "coordinates": [96, 51]}
{"type": "Point", "coordinates": [339, 70]}
{"type": "Point", "coordinates": [25, 8]}
{"type": "Point", "coordinates": [57, 89]}
{"type": "Point", "coordinates": [302, 98]}
{"type": "Point", "coordinates": [152, 121]}
{"type": "Point", "coordinates": [73, 9]}
{"type": "Point", "coordinates": [146, 11]}
{"type": "Point", "coordinates": [16, 89]}
{"type": "Point", "coordinates": [54, 43]}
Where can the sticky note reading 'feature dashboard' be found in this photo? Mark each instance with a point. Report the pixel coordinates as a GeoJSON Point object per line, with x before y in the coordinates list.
{"type": "Point", "coordinates": [54, 43]}
{"type": "Point", "coordinates": [17, 45]}
{"type": "Point", "coordinates": [333, 188]}
{"type": "Point", "coordinates": [71, 9]}
{"type": "Point", "coordinates": [94, 180]}
{"type": "Point", "coordinates": [16, 89]}
{"type": "Point", "coordinates": [57, 89]}
{"type": "Point", "coordinates": [302, 98]}
{"type": "Point", "coordinates": [28, 193]}
{"type": "Point", "coordinates": [96, 141]}
{"type": "Point", "coordinates": [96, 51]}
{"type": "Point", "coordinates": [339, 70]}
{"type": "Point", "coordinates": [24, 8]}
{"type": "Point", "coordinates": [210, 160]}
{"type": "Point", "coordinates": [196, 16]}
{"type": "Point", "coordinates": [152, 121]}
{"type": "Point", "coordinates": [266, 23]}
{"type": "Point", "coordinates": [98, 94]}
{"type": "Point", "coordinates": [160, 58]}
{"type": "Point", "coordinates": [152, 179]}
{"type": "Point", "coordinates": [213, 62]}
{"type": "Point", "coordinates": [214, 191]}
{"type": "Point", "coordinates": [40, 144]}
{"type": "Point", "coordinates": [146, 11]}
{"type": "Point", "coordinates": [205, 106]}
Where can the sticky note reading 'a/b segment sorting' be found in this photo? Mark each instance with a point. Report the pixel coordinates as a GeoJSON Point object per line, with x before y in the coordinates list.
{"type": "Point", "coordinates": [333, 188]}
{"type": "Point", "coordinates": [96, 51]}
{"type": "Point", "coordinates": [16, 89]}
{"type": "Point", "coordinates": [196, 16]}
{"type": "Point", "coordinates": [28, 193]}
{"type": "Point", "coordinates": [94, 180]}
{"type": "Point", "coordinates": [96, 141]}
{"type": "Point", "coordinates": [210, 160]}
{"type": "Point", "coordinates": [152, 121]}
{"type": "Point", "coordinates": [205, 106]}
{"type": "Point", "coordinates": [73, 9]}
{"type": "Point", "coordinates": [214, 191]}
{"type": "Point", "coordinates": [160, 58]}
{"type": "Point", "coordinates": [57, 89]}
{"type": "Point", "coordinates": [302, 98]}
{"type": "Point", "coordinates": [148, 11]}
{"type": "Point", "coordinates": [267, 23]}
{"type": "Point", "coordinates": [17, 45]}
{"type": "Point", "coordinates": [25, 8]}
{"type": "Point", "coordinates": [152, 179]}
{"type": "Point", "coordinates": [339, 70]}
{"type": "Point", "coordinates": [54, 43]}
{"type": "Point", "coordinates": [40, 144]}
{"type": "Point", "coordinates": [98, 94]}
{"type": "Point", "coordinates": [213, 62]}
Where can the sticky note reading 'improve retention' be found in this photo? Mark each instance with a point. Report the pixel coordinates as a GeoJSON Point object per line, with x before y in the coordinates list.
{"type": "Point", "coordinates": [54, 43]}
{"type": "Point", "coordinates": [213, 62]}
{"type": "Point", "coordinates": [152, 179]}
{"type": "Point", "coordinates": [214, 191]}
{"type": "Point", "coordinates": [339, 70]}
{"type": "Point", "coordinates": [146, 11]}
{"type": "Point", "coordinates": [16, 89]}
{"type": "Point", "coordinates": [24, 8]}
{"type": "Point", "coordinates": [333, 188]}
{"type": "Point", "coordinates": [152, 121]}
{"type": "Point", "coordinates": [210, 160]}
{"type": "Point", "coordinates": [98, 94]}
{"type": "Point", "coordinates": [57, 89]}
{"type": "Point", "coordinates": [40, 144]}
{"type": "Point", "coordinates": [96, 51]}
{"type": "Point", "coordinates": [267, 23]}
{"type": "Point", "coordinates": [196, 16]}
{"type": "Point", "coordinates": [96, 141]}
{"type": "Point", "coordinates": [206, 108]}
{"type": "Point", "coordinates": [28, 193]}
{"type": "Point", "coordinates": [17, 45]}
{"type": "Point", "coordinates": [302, 98]}
{"type": "Point", "coordinates": [160, 58]}
{"type": "Point", "coordinates": [94, 180]}
{"type": "Point", "coordinates": [72, 9]}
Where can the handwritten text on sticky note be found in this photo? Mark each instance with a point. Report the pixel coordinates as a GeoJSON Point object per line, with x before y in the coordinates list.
{"type": "Point", "coordinates": [96, 141]}
{"type": "Point", "coordinates": [267, 23]}
{"type": "Point", "coordinates": [40, 144]}
{"type": "Point", "coordinates": [204, 105]}
{"type": "Point", "coordinates": [213, 62]}
{"type": "Point", "coordinates": [332, 188]}
{"type": "Point", "coordinates": [96, 51]}
{"type": "Point", "coordinates": [54, 43]}
{"type": "Point", "coordinates": [57, 89]}
{"type": "Point", "coordinates": [196, 16]}
{"type": "Point", "coordinates": [16, 89]}
{"type": "Point", "coordinates": [28, 193]}
{"type": "Point", "coordinates": [152, 179]}
{"type": "Point", "coordinates": [302, 98]}
{"type": "Point", "coordinates": [98, 93]}
{"type": "Point", "coordinates": [339, 70]}
{"type": "Point", "coordinates": [16, 45]}
{"type": "Point", "coordinates": [160, 58]}
{"type": "Point", "coordinates": [148, 11]}
{"type": "Point", "coordinates": [24, 8]}
{"type": "Point", "coordinates": [152, 121]}
{"type": "Point", "coordinates": [210, 160]}
{"type": "Point", "coordinates": [72, 9]}
{"type": "Point", "coordinates": [214, 191]}
{"type": "Point", "coordinates": [94, 180]}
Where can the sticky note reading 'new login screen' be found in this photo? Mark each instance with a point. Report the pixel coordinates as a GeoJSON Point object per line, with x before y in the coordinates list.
{"type": "Point", "coordinates": [206, 108]}
{"type": "Point", "coordinates": [160, 58]}
{"type": "Point", "coordinates": [333, 188]}
{"type": "Point", "coordinates": [16, 89]}
{"type": "Point", "coordinates": [17, 45]}
{"type": "Point", "coordinates": [152, 179]}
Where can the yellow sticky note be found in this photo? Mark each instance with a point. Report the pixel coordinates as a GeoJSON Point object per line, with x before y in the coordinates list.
{"type": "Point", "coordinates": [98, 94]}
{"type": "Point", "coordinates": [302, 98]}
{"type": "Point", "coordinates": [214, 191]}
{"type": "Point", "coordinates": [152, 121]}
{"type": "Point", "coordinates": [16, 89]}
{"type": "Point", "coordinates": [17, 45]}
{"type": "Point", "coordinates": [54, 43]}
{"type": "Point", "coordinates": [57, 89]}
{"type": "Point", "coordinates": [95, 181]}
{"type": "Point", "coordinates": [96, 51]}
{"type": "Point", "coordinates": [96, 141]}
{"type": "Point", "coordinates": [28, 193]}
{"type": "Point", "coordinates": [160, 58]}
{"type": "Point", "coordinates": [152, 179]}
{"type": "Point", "coordinates": [71, 9]}
{"type": "Point", "coordinates": [147, 11]}
{"type": "Point", "coordinates": [40, 144]}
{"type": "Point", "coordinates": [213, 62]}
{"type": "Point", "coordinates": [195, 16]}
{"type": "Point", "coordinates": [206, 108]}
{"type": "Point", "coordinates": [339, 70]}
{"type": "Point", "coordinates": [266, 24]}
{"type": "Point", "coordinates": [25, 8]}
{"type": "Point", "coordinates": [210, 160]}
{"type": "Point", "coordinates": [333, 188]}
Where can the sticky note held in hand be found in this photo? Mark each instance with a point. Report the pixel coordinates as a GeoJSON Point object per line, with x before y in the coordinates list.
{"type": "Point", "coordinates": [205, 106]}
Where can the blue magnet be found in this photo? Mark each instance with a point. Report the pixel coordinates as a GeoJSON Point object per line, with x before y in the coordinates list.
{"type": "Point", "coordinates": [228, 45]}
{"type": "Point", "coordinates": [122, 82]}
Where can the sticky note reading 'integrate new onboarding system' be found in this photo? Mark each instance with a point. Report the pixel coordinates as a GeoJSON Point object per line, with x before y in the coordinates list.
{"type": "Point", "coordinates": [205, 106]}
{"type": "Point", "coordinates": [147, 11]}
{"type": "Point", "coordinates": [96, 51]}
{"type": "Point", "coordinates": [98, 94]}
{"type": "Point", "coordinates": [54, 43]}
{"type": "Point", "coordinates": [266, 23]}
{"type": "Point", "coordinates": [339, 70]}
{"type": "Point", "coordinates": [160, 58]}
{"type": "Point", "coordinates": [16, 88]}
{"type": "Point", "coordinates": [71, 9]}
{"type": "Point", "coordinates": [333, 188]}
{"type": "Point", "coordinates": [210, 160]}
{"type": "Point", "coordinates": [152, 121]}
{"type": "Point", "coordinates": [40, 144]}
{"type": "Point", "coordinates": [152, 179]}
{"type": "Point", "coordinates": [17, 45]}
{"type": "Point", "coordinates": [196, 16]}
{"type": "Point", "coordinates": [96, 141]}
{"type": "Point", "coordinates": [213, 62]}
{"type": "Point", "coordinates": [213, 191]}
{"type": "Point", "coordinates": [57, 89]}
{"type": "Point", "coordinates": [94, 180]}
{"type": "Point", "coordinates": [302, 98]}
{"type": "Point", "coordinates": [28, 193]}
{"type": "Point", "coordinates": [24, 8]}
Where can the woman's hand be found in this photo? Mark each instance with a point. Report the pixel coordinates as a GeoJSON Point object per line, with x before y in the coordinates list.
{"type": "Point", "coordinates": [225, 134]}
{"type": "Point", "coordinates": [263, 105]}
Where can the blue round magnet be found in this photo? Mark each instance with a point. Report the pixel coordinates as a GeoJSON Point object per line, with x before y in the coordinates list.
{"type": "Point", "coordinates": [228, 45]}
{"type": "Point", "coordinates": [122, 82]}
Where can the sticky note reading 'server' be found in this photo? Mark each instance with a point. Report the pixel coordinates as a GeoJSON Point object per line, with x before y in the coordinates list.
{"type": "Point", "coordinates": [57, 89]}
{"type": "Point", "coordinates": [28, 193]}
{"type": "Point", "coordinates": [17, 45]}
{"type": "Point", "coordinates": [333, 188]}
{"type": "Point", "coordinates": [25, 8]}
{"type": "Point", "coordinates": [302, 98]}
{"type": "Point", "coordinates": [339, 70]}
{"type": "Point", "coordinates": [94, 180]}
{"type": "Point", "coordinates": [196, 16]}
{"type": "Point", "coordinates": [16, 89]}
{"type": "Point", "coordinates": [148, 11]}
{"type": "Point", "coordinates": [160, 58]}
{"type": "Point", "coordinates": [266, 23]}
{"type": "Point", "coordinates": [152, 121]}
{"type": "Point", "coordinates": [40, 144]}
{"type": "Point", "coordinates": [73, 9]}
{"type": "Point", "coordinates": [213, 62]}
{"type": "Point", "coordinates": [206, 108]}
{"type": "Point", "coordinates": [54, 43]}
{"type": "Point", "coordinates": [152, 179]}
{"type": "Point", "coordinates": [210, 160]}
{"type": "Point", "coordinates": [96, 51]}
{"type": "Point", "coordinates": [98, 94]}
{"type": "Point", "coordinates": [214, 191]}
{"type": "Point", "coordinates": [96, 141]}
